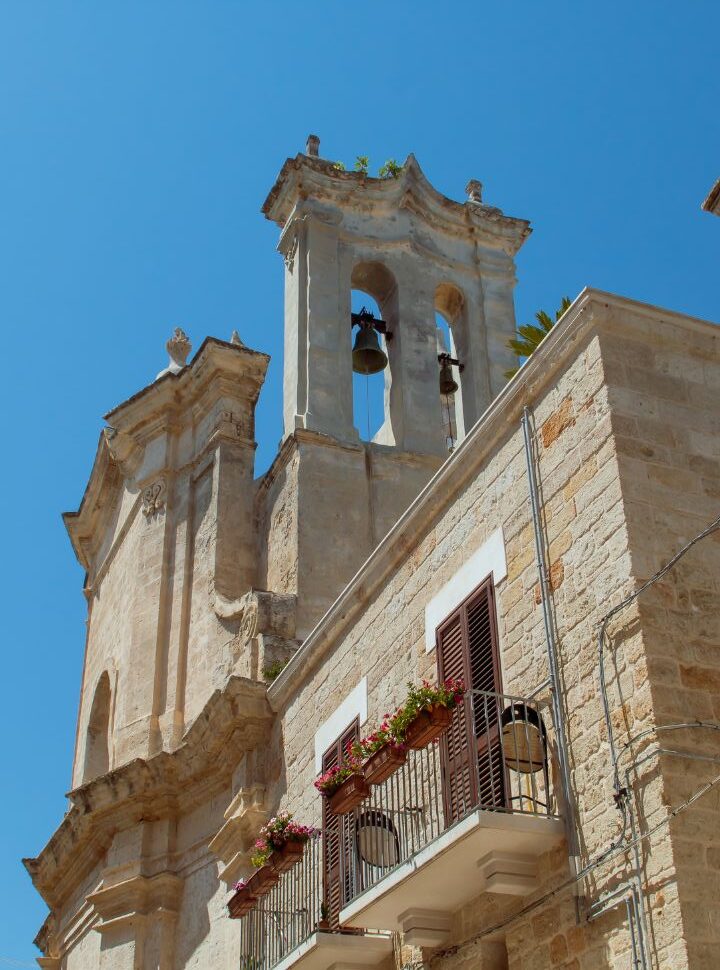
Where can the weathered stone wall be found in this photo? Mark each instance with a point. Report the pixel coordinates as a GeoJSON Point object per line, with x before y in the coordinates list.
{"type": "Point", "coordinates": [594, 561]}
{"type": "Point", "coordinates": [665, 394]}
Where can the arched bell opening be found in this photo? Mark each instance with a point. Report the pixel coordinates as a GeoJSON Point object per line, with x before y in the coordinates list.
{"type": "Point", "coordinates": [451, 347]}
{"type": "Point", "coordinates": [97, 737]}
{"type": "Point", "coordinates": [374, 317]}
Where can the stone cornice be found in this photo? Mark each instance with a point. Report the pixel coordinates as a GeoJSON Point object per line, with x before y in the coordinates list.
{"type": "Point", "coordinates": [233, 721]}
{"type": "Point", "coordinates": [305, 176]}
{"type": "Point", "coordinates": [591, 311]}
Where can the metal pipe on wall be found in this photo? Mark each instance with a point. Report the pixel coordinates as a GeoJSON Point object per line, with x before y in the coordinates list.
{"type": "Point", "coordinates": [558, 708]}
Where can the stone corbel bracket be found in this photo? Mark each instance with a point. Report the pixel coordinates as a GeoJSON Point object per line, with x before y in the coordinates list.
{"type": "Point", "coordinates": [244, 816]}
{"type": "Point", "coordinates": [267, 629]}
{"type": "Point", "coordinates": [261, 612]}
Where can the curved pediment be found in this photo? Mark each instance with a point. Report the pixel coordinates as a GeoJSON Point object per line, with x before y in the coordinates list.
{"type": "Point", "coordinates": [307, 177]}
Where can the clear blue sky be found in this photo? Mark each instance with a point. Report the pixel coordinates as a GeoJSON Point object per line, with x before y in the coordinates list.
{"type": "Point", "coordinates": [138, 142]}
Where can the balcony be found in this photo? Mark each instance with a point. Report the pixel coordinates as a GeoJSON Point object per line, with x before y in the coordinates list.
{"type": "Point", "coordinates": [469, 814]}
{"type": "Point", "coordinates": [287, 928]}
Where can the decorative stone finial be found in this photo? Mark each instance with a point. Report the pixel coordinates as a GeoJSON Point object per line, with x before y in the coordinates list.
{"type": "Point", "coordinates": [235, 339]}
{"type": "Point", "coordinates": [474, 190]}
{"type": "Point", "coordinates": [178, 346]}
{"type": "Point", "coordinates": [312, 146]}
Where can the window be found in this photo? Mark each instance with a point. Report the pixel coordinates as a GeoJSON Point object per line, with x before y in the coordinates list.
{"type": "Point", "coordinates": [97, 755]}
{"type": "Point", "coordinates": [467, 647]}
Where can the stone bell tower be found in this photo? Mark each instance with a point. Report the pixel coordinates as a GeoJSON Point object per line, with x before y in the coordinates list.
{"type": "Point", "coordinates": [416, 253]}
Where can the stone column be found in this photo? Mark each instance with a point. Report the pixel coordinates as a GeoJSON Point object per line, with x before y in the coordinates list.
{"type": "Point", "coordinates": [317, 394]}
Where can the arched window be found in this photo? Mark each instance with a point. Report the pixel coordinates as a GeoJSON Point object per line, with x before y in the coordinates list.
{"type": "Point", "coordinates": [374, 289]}
{"type": "Point", "coordinates": [97, 741]}
{"type": "Point", "coordinates": [450, 323]}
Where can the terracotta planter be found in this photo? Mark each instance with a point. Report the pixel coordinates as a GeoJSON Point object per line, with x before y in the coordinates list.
{"type": "Point", "coordinates": [427, 727]}
{"type": "Point", "coordinates": [383, 763]}
{"type": "Point", "coordinates": [241, 902]}
{"type": "Point", "coordinates": [283, 859]}
{"type": "Point", "coordinates": [349, 795]}
{"type": "Point", "coordinates": [263, 880]}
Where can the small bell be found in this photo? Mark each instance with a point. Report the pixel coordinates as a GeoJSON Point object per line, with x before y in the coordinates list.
{"type": "Point", "coordinates": [448, 384]}
{"type": "Point", "coordinates": [368, 357]}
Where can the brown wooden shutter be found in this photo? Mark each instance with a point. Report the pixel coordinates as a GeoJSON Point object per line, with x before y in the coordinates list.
{"type": "Point", "coordinates": [337, 841]}
{"type": "Point", "coordinates": [473, 771]}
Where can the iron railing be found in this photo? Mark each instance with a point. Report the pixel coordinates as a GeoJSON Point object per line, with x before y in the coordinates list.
{"type": "Point", "coordinates": [494, 756]}
{"type": "Point", "coordinates": [287, 916]}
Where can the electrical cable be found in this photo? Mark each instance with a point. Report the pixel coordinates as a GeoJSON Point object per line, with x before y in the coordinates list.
{"type": "Point", "coordinates": [714, 526]}
{"type": "Point", "coordinates": [586, 870]}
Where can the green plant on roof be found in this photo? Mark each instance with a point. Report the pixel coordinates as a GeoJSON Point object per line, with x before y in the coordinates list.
{"type": "Point", "coordinates": [339, 166]}
{"type": "Point", "coordinates": [390, 170]}
{"type": "Point", "coordinates": [362, 163]}
{"type": "Point", "coordinates": [529, 336]}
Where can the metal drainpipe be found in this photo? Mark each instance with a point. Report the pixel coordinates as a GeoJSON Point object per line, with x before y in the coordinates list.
{"type": "Point", "coordinates": [628, 894]}
{"type": "Point", "coordinates": [558, 708]}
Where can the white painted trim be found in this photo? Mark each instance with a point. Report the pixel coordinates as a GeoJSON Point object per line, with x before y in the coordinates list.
{"type": "Point", "coordinates": [489, 558]}
{"type": "Point", "coordinates": [354, 705]}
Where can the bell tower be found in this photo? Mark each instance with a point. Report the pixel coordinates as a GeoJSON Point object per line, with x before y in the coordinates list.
{"type": "Point", "coordinates": [417, 254]}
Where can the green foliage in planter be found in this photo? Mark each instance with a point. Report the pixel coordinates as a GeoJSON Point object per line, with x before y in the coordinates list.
{"type": "Point", "coordinates": [448, 694]}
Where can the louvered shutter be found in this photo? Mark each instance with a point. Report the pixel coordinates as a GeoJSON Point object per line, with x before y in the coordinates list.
{"type": "Point", "coordinates": [337, 841]}
{"type": "Point", "coordinates": [473, 770]}
{"type": "Point", "coordinates": [457, 757]}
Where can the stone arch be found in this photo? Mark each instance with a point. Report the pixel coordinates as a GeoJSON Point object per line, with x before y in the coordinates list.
{"type": "Point", "coordinates": [378, 281]}
{"type": "Point", "coordinates": [451, 323]}
{"type": "Point", "coordinates": [97, 735]}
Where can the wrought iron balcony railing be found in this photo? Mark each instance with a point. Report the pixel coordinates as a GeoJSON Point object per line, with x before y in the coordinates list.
{"type": "Point", "coordinates": [287, 916]}
{"type": "Point", "coordinates": [493, 757]}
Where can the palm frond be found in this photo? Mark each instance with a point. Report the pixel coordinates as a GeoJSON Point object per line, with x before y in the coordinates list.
{"type": "Point", "coordinates": [529, 336]}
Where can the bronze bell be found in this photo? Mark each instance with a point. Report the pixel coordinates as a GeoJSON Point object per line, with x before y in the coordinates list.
{"type": "Point", "coordinates": [368, 357]}
{"type": "Point", "coordinates": [448, 384]}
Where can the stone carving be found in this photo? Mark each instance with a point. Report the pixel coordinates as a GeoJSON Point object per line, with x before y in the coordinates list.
{"type": "Point", "coordinates": [312, 146]}
{"type": "Point", "coordinates": [235, 339]}
{"type": "Point", "coordinates": [249, 626]}
{"type": "Point", "coordinates": [153, 497]}
{"type": "Point", "coordinates": [232, 423]}
{"type": "Point", "coordinates": [178, 346]}
{"type": "Point", "coordinates": [474, 190]}
{"type": "Point", "coordinates": [289, 254]}
{"type": "Point", "coordinates": [124, 451]}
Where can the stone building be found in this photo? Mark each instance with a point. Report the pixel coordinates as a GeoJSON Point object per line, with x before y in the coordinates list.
{"type": "Point", "coordinates": [564, 560]}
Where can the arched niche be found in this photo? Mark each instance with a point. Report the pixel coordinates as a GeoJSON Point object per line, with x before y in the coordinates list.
{"type": "Point", "coordinates": [97, 739]}
{"type": "Point", "coordinates": [451, 324]}
{"type": "Point", "coordinates": [375, 280]}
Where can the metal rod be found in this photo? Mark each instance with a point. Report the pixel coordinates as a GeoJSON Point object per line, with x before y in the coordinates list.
{"type": "Point", "coordinates": [552, 651]}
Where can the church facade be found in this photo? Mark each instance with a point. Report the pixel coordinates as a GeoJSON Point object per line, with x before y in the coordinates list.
{"type": "Point", "coordinates": [562, 562]}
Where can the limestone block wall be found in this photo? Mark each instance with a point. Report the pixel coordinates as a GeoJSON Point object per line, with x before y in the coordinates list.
{"type": "Point", "coordinates": [166, 534]}
{"type": "Point", "coordinates": [593, 550]}
{"type": "Point", "coordinates": [322, 508]}
{"type": "Point", "coordinates": [665, 415]}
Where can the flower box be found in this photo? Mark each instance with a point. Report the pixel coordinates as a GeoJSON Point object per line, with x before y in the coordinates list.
{"type": "Point", "coordinates": [241, 902]}
{"type": "Point", "coordinates": [349, 795]}
{"type": "Point", "coordinates": [285, 858]}
{"type": "Point", "coordinates": [263, 880]}
{"type": "Point", "coordinates": [427, 726]}
{"type": "Point", "coordinates": [383, 763]}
